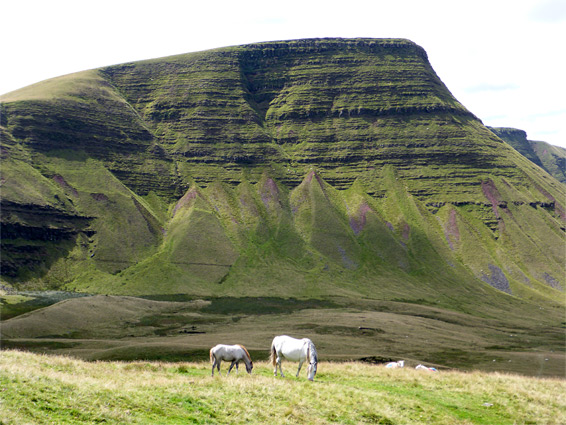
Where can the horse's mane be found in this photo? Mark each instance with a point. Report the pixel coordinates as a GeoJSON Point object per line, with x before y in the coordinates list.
{"type": "Point", "coordinates": [246, 351]}
{"type": "Point", "coordinates": [312, 352]}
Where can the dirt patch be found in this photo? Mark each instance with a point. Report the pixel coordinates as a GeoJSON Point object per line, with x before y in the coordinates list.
{"type": "Point", "coordinates": [270, 192]}
{"type": "Point", "coordinates": [100, 197]}
{"type": "Point", "coordinates": [185, 200]}
{"type": "Point", "coordinates": [61, 182]}
{"type": "Point", "coordinates": [497, 279]}
{"type": "Point", "coordinates": [358, 222]}
{"type": "Point", "coordinates": [406, 232]}
{"type": "Point", "coordinates": [492, 195]}
{"type": "Point", "coordinates": [451, 230]}
{"type": "Point", "coordinates": [551, 281]}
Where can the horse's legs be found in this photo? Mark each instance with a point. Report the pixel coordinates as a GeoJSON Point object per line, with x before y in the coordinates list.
{"type": "Point", "coordinates": [300, 366]}
{"type": "Point", "coordinates": [280, 370]}
{"type": "Point", "coordinates": [232, 365]}
{"type": "Point", "coordinates": [214, 364]}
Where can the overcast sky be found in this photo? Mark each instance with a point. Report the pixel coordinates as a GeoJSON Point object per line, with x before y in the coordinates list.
{"type": "Point", "coordinates": [503, 59]}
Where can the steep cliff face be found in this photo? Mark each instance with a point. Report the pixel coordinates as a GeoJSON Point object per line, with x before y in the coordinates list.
{"type": "Point", "coordinates": [345, 107]}
{"type": "Point", "coordinates": [284, 167]}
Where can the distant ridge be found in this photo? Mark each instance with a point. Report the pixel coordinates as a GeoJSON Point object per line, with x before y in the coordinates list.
{"type": "Point", "coordinates": [551, 158]}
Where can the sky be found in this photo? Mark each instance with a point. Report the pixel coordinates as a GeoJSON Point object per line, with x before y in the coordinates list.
{"type": "Point", "coordinates": [504, 60]}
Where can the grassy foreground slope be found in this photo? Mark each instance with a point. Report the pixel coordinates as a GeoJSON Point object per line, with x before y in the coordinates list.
{"type": "Point", "coordinates": [44, 389]}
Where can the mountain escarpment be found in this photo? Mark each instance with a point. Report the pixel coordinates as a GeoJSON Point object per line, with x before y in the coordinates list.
{"type": "Point", "coordinates": [306, 168]}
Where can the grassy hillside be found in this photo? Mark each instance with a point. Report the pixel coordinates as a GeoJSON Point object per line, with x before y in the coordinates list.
{"type": "Point", "coordinates": [553, 159]}
{"type": "Point", "coordinates": [304, 168]}
{"type": "Point", "coordinates": [41, 389]}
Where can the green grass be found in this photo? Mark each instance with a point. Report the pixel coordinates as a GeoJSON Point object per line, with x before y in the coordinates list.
{"type": "Point", "coordinates": [50, 389]}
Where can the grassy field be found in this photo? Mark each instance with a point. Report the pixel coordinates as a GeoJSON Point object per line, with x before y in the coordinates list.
{"type": "Point", "coordinates": [113, 328]}
{"type": "Point", "coordinates": [42, 389]}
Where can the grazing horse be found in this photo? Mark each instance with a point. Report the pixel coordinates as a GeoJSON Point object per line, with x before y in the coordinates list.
{"type": "Point", "coordinates": [296, 350]}
{"type": "Point", "coordinates": [230, 353]}
{"type": "Point", "coordinates": [394, 365]}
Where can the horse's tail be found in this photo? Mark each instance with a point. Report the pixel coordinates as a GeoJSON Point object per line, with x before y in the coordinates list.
{"type": "Point", "coordinates": [211, 355]}
{"type": "Point", "coordinates": [273, 355]}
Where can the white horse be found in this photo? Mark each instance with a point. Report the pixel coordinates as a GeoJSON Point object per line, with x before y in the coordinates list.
{"type": "Point", "coordinates": [423, 367]}
{"type": "Point", "coordinates": [395, 365]}
{"type": "Point", "coordinates": [230, 353]}
{"type": "Point", "coordinates": [296, 350]}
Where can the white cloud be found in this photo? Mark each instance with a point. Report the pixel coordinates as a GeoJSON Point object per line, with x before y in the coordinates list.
{"type": "Point", "coordinates": [491, 87]}
{"type": "Point", "coordinates": [549, 11]}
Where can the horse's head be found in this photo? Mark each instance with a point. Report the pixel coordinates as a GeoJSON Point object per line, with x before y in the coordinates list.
{"type": "Point", "coordinates": [313, 361]}
{"type": "Point", "coordinates": [247, 358]}
{"type": "Point", "coordinates": [311, 371]}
